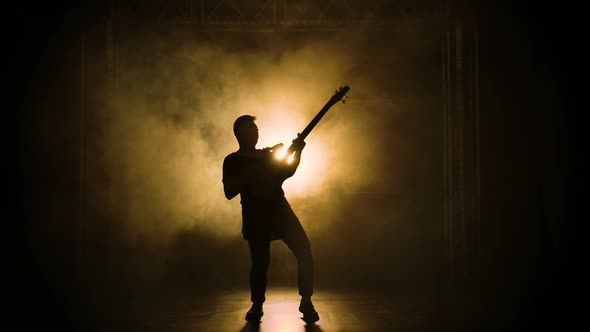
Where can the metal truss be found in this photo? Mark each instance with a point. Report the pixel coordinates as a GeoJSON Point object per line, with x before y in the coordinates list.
{"type": "Point", "coordinates": [277, 13]}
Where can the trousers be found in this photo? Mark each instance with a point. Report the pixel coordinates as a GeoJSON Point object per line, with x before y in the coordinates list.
{"type": "Point", "coordinates": [294, 236]}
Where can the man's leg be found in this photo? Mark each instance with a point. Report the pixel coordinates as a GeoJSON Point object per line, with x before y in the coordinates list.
{"type": "Point", "coordinates": [297, 241]}
{"type": "Point", "coordinates": [260, 254]}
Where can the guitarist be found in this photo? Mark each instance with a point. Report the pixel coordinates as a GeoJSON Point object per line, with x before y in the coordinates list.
{"type": "Point", "coordinates": [266, 215]}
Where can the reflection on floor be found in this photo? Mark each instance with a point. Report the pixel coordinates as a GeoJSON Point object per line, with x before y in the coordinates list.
{"type": "Point", "coordinates": [338, 312]}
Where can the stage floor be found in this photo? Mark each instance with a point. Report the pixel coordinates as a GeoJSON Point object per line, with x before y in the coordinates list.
{"type": "Point", "coordinates": [225, 311]}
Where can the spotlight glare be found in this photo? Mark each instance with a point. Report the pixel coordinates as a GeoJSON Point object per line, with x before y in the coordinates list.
{"type": "Point", "coordinates": [281, 153]}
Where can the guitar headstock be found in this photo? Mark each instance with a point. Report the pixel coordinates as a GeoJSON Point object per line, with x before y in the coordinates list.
{"type": "Point", "coordinates": [339, 95]}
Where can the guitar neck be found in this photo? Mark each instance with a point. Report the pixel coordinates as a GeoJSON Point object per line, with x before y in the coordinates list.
{"type": "Point", "coordinates": [314, 121]}
{"type": "Point", "coordinates": [311, 125]}
{"type": "Point", "coordinates": [337, 97]}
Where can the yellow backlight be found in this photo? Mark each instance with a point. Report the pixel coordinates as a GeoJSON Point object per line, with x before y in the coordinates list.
{"type": "Point", "coordinates": [282, 153]}
{"type": "Point", "coordinates": [281, 124]}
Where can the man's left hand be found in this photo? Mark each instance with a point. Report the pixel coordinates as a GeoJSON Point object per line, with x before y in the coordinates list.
{"type": "Point", "coordinates": [298, 143]}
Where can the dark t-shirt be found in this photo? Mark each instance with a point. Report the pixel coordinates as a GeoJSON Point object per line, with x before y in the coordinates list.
{"type": "Point", "coordinates": [264, 207]}
{"type": "Point", "coordinates": [263, 185]}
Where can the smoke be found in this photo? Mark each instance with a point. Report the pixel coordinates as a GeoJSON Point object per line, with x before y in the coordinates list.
{"type": "Point", "coordinates": [157, 132]}
{"type": "Point", "coordinates": [168, 127]}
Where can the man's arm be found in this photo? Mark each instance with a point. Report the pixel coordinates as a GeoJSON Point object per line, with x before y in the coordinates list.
{"type": "Point", "coordinates": [236, 178]}
{"type": "Point", "coordinates": [290, 168]}
{"type": "Point", "coordinates": [232, 184]}
{"type": "Point", "coordinates": [231, 187]}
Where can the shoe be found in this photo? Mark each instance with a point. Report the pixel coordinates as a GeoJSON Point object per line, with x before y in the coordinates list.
{"type": "Point", "coordinates": [308, 311]}
{"type": "Point", "coordinates": [255, 313]}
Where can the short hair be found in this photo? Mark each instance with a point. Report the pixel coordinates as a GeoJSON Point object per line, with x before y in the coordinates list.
{"type": "Point", "coordinates": [240, 121]}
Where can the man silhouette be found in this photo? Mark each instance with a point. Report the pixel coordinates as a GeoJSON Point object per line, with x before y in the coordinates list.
{"type": "Point", "coordinates": [266, 215]}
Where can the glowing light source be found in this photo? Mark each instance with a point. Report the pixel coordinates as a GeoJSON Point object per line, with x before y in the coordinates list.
{"type": "Point", "coordinates": [281, 123]}
{"type": "Point", "coordinates": [281, 153]}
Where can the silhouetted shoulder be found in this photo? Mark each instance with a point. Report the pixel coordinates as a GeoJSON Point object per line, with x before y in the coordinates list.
{"type": "Point", "coordinates": [230, 157]}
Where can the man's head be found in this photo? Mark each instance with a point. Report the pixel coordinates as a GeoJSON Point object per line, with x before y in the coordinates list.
{"type": "Point", "coordinates": [246, 131]}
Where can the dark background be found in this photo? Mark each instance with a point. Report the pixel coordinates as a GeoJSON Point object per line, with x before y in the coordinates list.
{"type": "Point", "coordinates": [529, 58]}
